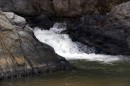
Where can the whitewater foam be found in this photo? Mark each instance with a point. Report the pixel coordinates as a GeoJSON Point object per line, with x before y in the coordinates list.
{"type": "Point", "coordinates": [65, 47]}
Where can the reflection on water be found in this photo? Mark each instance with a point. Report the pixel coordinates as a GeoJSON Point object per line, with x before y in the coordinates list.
{"type": "Point", "coordinates": [87, 74]}
{"type": "Point", "coordinates": [69, 81]}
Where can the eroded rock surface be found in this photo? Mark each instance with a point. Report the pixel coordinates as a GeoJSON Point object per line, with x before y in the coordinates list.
{"type": "Point", "coordinates": [21, 53]}
{"type": "Point", "coordinates": [67, 8]}
{"type": "Point", "coordinates": [120, 14]}
{"type": "Point", "coordinates": [108, 33]}
{"type": "Point", "coordinates": [44, 13]}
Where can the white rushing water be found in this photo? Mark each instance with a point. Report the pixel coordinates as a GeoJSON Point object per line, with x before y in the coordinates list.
{"type": "Point", "coordinates": [65, 47]}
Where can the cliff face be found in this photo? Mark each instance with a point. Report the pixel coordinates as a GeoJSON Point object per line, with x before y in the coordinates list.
{"type": "Point", "coordinates": [44, 13]}
{"type": "Point", "coordinates": [21, 53]}
{"type": "Point", "coordinates": [62, 8]}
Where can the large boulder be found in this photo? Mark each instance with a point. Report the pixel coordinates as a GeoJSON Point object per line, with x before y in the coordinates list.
{"type": "Point", "coordinates": [109, 33]}
{"type": "Point", "coordinates": [110, 40]}
{"type": "Point", "coordinates": [21, 53]}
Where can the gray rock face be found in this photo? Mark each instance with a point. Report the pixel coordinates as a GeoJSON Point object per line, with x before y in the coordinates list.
{"type": "Point", "coordinates": [108, 33]}
{"type": "Point", "coordinates": [119, 17]}
{"type": "Point", "coordinates": [27, 7]}
{"type": "Point", "coordinates": [43, 12]}
{"type": "Point", "coordinates": [17, 20]}
{"type": "Point", "coordinates": [21, 53]}
{"type": "Point", "coordinates": [121, 14]}
{"type": "Point", "coordinates": [66, 8]}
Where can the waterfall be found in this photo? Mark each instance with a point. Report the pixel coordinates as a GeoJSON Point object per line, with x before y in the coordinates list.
{"type": "Point", "coordinates": [65, 47]}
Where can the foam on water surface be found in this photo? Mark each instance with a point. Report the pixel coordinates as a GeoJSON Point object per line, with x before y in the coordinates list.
{"type": "Point", "coordinates": [65, 47]}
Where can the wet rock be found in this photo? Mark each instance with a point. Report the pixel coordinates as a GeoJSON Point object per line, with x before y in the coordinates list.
{"type": "Point", "coordinates": [108, 33]}
{"type": "Point", "coordinates": [21, 53]}
{"type": "Point", "coordinates": [95, 31]}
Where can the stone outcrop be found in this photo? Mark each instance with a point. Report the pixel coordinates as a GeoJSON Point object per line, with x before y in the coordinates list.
{"type": "Point", "coordinates": [120, 14]}
{"type": "Point", "coordinates": [21, 53]}
{"type": "Point", "coordinates": [107, 33]}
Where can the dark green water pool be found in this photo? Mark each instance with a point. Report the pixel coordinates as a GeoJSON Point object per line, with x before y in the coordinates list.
{"type": "Point", "coordinates": [86, 74]}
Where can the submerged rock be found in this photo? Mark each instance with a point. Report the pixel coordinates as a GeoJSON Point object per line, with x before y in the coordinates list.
{"type": "Point", "coordinates": [21, 53]}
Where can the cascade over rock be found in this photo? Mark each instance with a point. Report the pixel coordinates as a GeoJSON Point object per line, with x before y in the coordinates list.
{"type": "Point", "coordinates": [103, 24]}
{"type": "Point", "coordinates": [21, 53]}
{"type": "Point", "coordinates": [65, 47]}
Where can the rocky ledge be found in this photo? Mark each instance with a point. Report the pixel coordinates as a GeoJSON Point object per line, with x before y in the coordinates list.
{"type": "Point", "coordinates": [21, 53]}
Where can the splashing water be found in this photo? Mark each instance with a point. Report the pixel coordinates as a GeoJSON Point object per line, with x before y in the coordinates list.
{"type": "Point", "coordinates": [65, 47]}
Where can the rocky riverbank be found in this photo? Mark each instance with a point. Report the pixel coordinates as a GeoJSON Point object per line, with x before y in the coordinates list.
{"type": "Point", "coordinates": [21, 53]}
{"type": "Point", "coordinates": [97, 23]}
{"type": "Point", "coordinates": [102, 24]}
